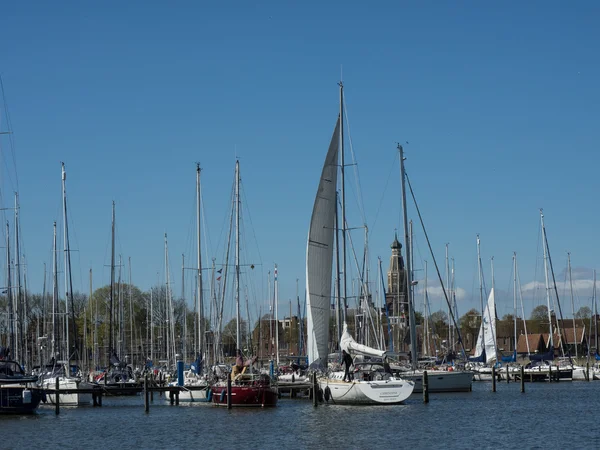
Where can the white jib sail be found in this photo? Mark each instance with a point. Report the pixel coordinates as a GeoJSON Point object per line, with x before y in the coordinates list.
{"type": "Point", "coordinates": [319, 256]}
{"type": "Point", "coordinates": [489, 328]}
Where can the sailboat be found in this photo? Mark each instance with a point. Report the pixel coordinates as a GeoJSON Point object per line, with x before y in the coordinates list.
{"type": "Point", "coordinates": [485, 347]}
{"type": "Point", "coordinates": [247, 389]}
{"type": "Point", "coordinates": [541, 365]}
{"type": "Point", "coordinates": [69, 375]}
{"type": "Point", "coordinates": [449, 380]}
{"type": "Point", "coordinates": [118, 379]}
{"type": "Point", "coordinates": [373, 383]}
{"type": "Point", "coordinates": [195, 383]}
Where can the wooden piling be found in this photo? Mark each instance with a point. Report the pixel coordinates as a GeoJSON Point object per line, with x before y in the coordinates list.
{"type": "Point", "coordinates": [228, 392]}
{"type": "Point", "coordinates": [57, 397]}
{"type": "Point", "coordinates": [507, 375]}
{"type": "Point", "coordinates": [493, 378]}
{"type": "Point", "coordinates": [587, 371]}
{"type": "Point", "coordinates": [522, 379]}
{"type": "Point", "coordinates": [177, 397]}
{"type": "Point", "coordinates": [550, 373]}
{"type": "Point", "coordinates": [315, 393]}
{"type": "Point", "coordinates": [146, 396]}
{"type": "Point", "coordinates": [153, 383]}
{"type": "Point", "coordinates": [100, 398]}
{"type": "Point", "coordinates": [425, 387]}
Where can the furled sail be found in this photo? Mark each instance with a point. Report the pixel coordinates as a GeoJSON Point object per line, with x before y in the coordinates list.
{"type": "Point", "coordinates": [319, 256]}
{"type": "Point", "coordinates": [348, 343]}
{"type": "Point", "coordinates": [485, 348]}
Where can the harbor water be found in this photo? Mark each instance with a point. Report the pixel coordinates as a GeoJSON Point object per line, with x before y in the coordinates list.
{"type": "Point", "coordinates": [547, 415]}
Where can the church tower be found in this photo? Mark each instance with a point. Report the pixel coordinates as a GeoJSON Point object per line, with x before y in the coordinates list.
{"type": "Point", "coordinates": [395, 296]}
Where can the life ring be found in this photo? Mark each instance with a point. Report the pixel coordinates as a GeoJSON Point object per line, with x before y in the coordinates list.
{"type": "Point", "coordinates": [327, 394]}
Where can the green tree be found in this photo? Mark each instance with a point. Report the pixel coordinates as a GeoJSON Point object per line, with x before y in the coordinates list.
{"type": "Point", "coordinates": [583, 313]}
{"type": "Point", "coordinates": [539, 313]}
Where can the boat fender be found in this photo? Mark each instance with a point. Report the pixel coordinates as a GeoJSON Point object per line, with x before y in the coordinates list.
{"type": "Point", "coordinates": [293, 378]}
{"type": "Point", "coordinates": [327, 394]}
{"type": "Point", "coordinates": [320, 395]}
{"type": "Point", "coordinates": [209, 395]}
{"type": "Point", "coordinates": [26, 396]}
{"type": "Point", "coordinates": [223, 393]}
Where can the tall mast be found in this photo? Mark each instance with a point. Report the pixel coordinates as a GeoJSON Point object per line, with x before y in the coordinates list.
{"type": "Point", "coordinates": [546, 278]}
{"type": "Point", "coordinates": [572, 302]}
{"type": "Point", "coordinates": [449, 295]}
{"type": "Point", "coordinates": [237, 255]}
{"type": "Point", "coordinates": [19, 310]}
{"type": "Point", "coordinates": [131, 330]}
{"type": "Point", "coordinates": [515, 300]}
{"type": "Point", "coordinates": [9, 298]}
{"type": "Point", "coordinates": [426, 347]}
{"type": "Point", "coordinates": [55, 310]}
{"type": "Point", "coordinates": [112, 286]}
{"type": "Point", "coordinates": [276, 288]}
{"type": "Point", "coordinates": [343, 221]}
{"type": "Point", "coordinates": [67, 292]}
{"type": "Point", "coordinates": [411, 309]}
{"type": "Point", "coordinates": [199, 255]}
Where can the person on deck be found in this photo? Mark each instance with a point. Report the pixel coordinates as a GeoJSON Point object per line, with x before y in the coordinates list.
{"type": "Point", "coordinates": [347, 361]}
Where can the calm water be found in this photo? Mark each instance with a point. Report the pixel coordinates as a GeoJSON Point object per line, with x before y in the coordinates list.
{"type": "Point", "coordinates": [546, 416]}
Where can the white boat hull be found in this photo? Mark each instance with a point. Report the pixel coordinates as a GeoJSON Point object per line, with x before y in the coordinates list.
{"type": "Point", "coordinates": [441, 380]}
{"type": "Point", "coordinates": [358, 392]}
{"type": "Point", "coordinates": [70, 399]}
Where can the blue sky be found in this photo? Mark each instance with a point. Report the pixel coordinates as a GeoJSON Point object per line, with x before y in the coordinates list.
{"type": "Point", "coordinates": [499, 104]}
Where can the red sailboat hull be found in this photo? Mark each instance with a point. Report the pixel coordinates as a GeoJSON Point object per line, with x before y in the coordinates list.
{"type": "Point", "coordinates": [245, 395]}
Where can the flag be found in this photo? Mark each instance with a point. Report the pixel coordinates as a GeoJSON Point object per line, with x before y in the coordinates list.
{"type": "Point", "coordinates": [218, 278]}
{"type": "Point", "coordinates": [220, 270]}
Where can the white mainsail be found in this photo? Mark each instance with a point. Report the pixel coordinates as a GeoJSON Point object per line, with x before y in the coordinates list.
{"type": "Point", "coordinates": [487, 332]}
{"type": "Point", "coordinates": [348, 343]}
{"type": "Point", "coordinates": [319, 256]}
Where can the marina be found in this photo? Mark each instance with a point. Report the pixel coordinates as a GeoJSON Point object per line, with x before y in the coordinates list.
{"type": "Point", "coordinates": [448, 414]}
{"type": "Point", "coordinates": [313, 226]}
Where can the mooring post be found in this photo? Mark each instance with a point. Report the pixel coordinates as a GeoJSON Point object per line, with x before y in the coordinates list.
{"type": "Point", "coordinates": [100, 398]}
{"type": "Point", "coordinates": [177, 396]}
{"type": "Point", "coordinates": [171, 397]}
{"type": "Point", "coordinates": [57, 397]}
{"type": "Point", "coordinates": [493, 378]}
{"type": "Point", "coordinates": [146, 399]}
{"type": "Point", "coordinates": [315, 393]}
{"type": "Point", "coordinates": [229, 392]}
{"type": "Point", "coordinates": [522, 379]}
{"type": "Point", "coordinates": [550, 373]}
{"type": "Point", "coordinates": [425, 387]}
{"type": "Point", "coordinates": [160, 383]}
{"type": "Point", "coordinates": [153, 384]}
{"type": "Point", "coordinates": [587, 371]}
{"type": "Point", "coordinates": [507, 375]}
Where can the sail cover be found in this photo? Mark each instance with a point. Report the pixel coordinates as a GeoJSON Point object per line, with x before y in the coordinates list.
{"type": "Point", "coordinates": [319, 256]}
{"type": "Point", "coordinates": [348, 343]}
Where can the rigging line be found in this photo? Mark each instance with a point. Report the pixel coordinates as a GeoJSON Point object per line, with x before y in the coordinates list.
{"type": "Point", "coordinates": [562, 342]}
{"type": "Point", "coordinates": [10, 138]}
{"type": "Point", "coordinates": [387, 181]}
{"type": "Point", "coordinates": [245, 201]}
{"type": "Point", "coordinates": [360, 201]}
{"type": "Point", "coordinates": [460, 341]}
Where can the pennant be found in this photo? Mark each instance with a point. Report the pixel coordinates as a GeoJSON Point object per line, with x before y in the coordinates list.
{"type": "Point", "coordinates": [220, 270]}
{"type": "Point", "coordinates": [219, 278]}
